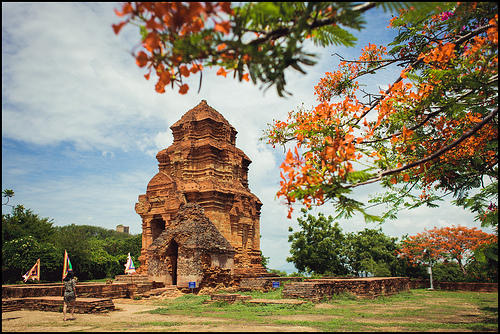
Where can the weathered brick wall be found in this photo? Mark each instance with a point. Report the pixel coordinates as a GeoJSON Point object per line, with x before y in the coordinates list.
{"type": "Point", "coordinates": [264, 283]}
{"type": "Point", "coordinates": [462, 286]}
{"type": "Point", "coordinates": [316, 289]}
{"type": "Point", "coordinates": [95, 290]}
{"type": "Point", "coordinates": [54, 304]}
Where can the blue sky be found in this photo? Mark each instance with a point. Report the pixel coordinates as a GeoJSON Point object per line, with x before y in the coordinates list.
{"type": "Point", "coordinates": [81, 126]}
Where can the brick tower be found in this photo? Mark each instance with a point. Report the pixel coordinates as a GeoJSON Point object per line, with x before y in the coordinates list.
{"type": "Point", "coordinates": [204, 166]}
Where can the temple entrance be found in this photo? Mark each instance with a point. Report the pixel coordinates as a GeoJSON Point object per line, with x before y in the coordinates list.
{"type": "Point", "coordinates": [173, 254]}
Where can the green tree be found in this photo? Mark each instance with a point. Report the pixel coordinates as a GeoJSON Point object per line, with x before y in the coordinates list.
{"type": "Point", "coordinates": [484, 266]}
{"type": "Point", "coordinates": [19, 255]}
{"type": "Point", "coordinates": [23, 222]}
{"type": "Point", "coordinates": [447, 272]}
{"type": "Point", "coordinates": [8, 193]}
{"type": "Point", "coordinates": [318, 248]}
{"type": "Point", "coordinates": [371, 251]}
{"type": "Point", "coordinates": [119, 248]}
{"type": "Point", "coordinates": [280, 273]}
{"type": "Point", "coordinates": [264, 260]}
{"type": "Point", "coordinates": [96, 252]}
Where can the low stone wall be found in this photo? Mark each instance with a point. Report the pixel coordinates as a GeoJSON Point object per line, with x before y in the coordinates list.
{"type": "Point", "coordinates": [264, 283]}
{"type": "Point", "coordinates": [55, 304]}
{"type": "Point", "coordinates": [93, 290]}
{"type": "Point", "coordinates": [317, 289]}
{"type": "Point", "coordinates": [228, 297]}
{"type": "Point", "coordinates": [462, 286]}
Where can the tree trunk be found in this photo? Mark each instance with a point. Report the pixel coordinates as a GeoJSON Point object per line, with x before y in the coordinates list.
{"type": "Point", "coordinates": [462, 267]}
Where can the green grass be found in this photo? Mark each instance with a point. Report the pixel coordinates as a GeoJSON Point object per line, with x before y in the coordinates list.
{"type": "Point", "coordinates": [417, 310]}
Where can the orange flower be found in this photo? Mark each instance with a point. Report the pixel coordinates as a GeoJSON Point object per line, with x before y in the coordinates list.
{"type": "Point", "coordinates": [221, 71]}
{"type": "Point", "coordinates": [196, 68]}
{"type": "Point", "coordinates": [151, 42]}
{"type": "Point", "coordinates": [142, 59]}
{"type": "Point", "coordinates": [223, 27]}
{"type": "Point", "coordinates": [118, 27]}
{"type": "Point", "coordinates": [184, 71]}
{"type": "Point", "coordinates": [126, 9]}
{"type": "Point", "coordinates": [183, 89]}
{"type": "Point", "coordinates": [226, 7]}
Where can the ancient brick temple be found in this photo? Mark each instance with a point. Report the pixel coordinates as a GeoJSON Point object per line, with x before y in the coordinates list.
{"type": "Point", "coordinates": [202, 166]}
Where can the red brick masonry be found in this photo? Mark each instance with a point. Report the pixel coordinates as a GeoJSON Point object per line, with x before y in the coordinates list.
{"type": "Point", "coordinates": [463, 286]}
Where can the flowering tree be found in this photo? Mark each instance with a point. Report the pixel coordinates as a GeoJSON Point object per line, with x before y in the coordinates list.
{"type": "Point", "coordinates": [433, 129]}
{"type": "Point", "coordinates": [447, 243]}
{"type": "Point", "coordinates": [256, 40]}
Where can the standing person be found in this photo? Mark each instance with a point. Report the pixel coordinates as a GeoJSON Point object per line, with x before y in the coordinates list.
{"type": "Point", "coordinates": [69, 294]}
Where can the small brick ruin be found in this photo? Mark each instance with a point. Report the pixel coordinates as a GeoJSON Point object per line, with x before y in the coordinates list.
{"type": "Point", "coordinates": [202, 166]}
{"type": "Point", "coordinates": [191, 249]}
{"type": "Point", "coordinates": [457, 286]}
{"type": "Point", "coordinates": [317, 289]}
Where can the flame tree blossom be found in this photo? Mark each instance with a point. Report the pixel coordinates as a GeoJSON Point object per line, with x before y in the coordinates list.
{"type": "Point", "coordinates": [432, 131]}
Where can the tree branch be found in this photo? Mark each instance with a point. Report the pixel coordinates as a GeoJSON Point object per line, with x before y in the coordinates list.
{"type": "Point", "coordinates": [274, 34]}
{"type": "Point", "coordinates": [436, 154]}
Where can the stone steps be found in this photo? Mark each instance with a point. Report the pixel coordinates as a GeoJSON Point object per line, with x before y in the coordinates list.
{"type": "Point", "coordinates": [143, 285]}
{"type": "Point", "coordinates": [91, 290]}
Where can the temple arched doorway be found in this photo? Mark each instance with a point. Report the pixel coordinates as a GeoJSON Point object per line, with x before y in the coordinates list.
{"type": "Point", "coordinates": [173, 254]}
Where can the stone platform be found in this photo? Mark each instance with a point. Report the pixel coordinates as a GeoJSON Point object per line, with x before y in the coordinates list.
{"type": "Point", "coordinates": [229, 297]}
{"type": "Point", "coordinates": [55, 304]}
{"type": "Point", "coordinates": [276, 301]}
{"type": "Point", "coordinates": [234, 297]}
{"type": "Point", "coordinates": [84, 290]}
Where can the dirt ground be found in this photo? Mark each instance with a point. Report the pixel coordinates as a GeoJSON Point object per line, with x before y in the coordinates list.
{"type": "Point", "coordinates": [127, 314]}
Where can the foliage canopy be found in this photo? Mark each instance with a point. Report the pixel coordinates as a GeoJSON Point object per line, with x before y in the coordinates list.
{"type": "Point", "coordinates": [253, 40]}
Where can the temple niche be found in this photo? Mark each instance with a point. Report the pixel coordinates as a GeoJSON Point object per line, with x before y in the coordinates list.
{"type": "Point", "coordinates": [203, 166]}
